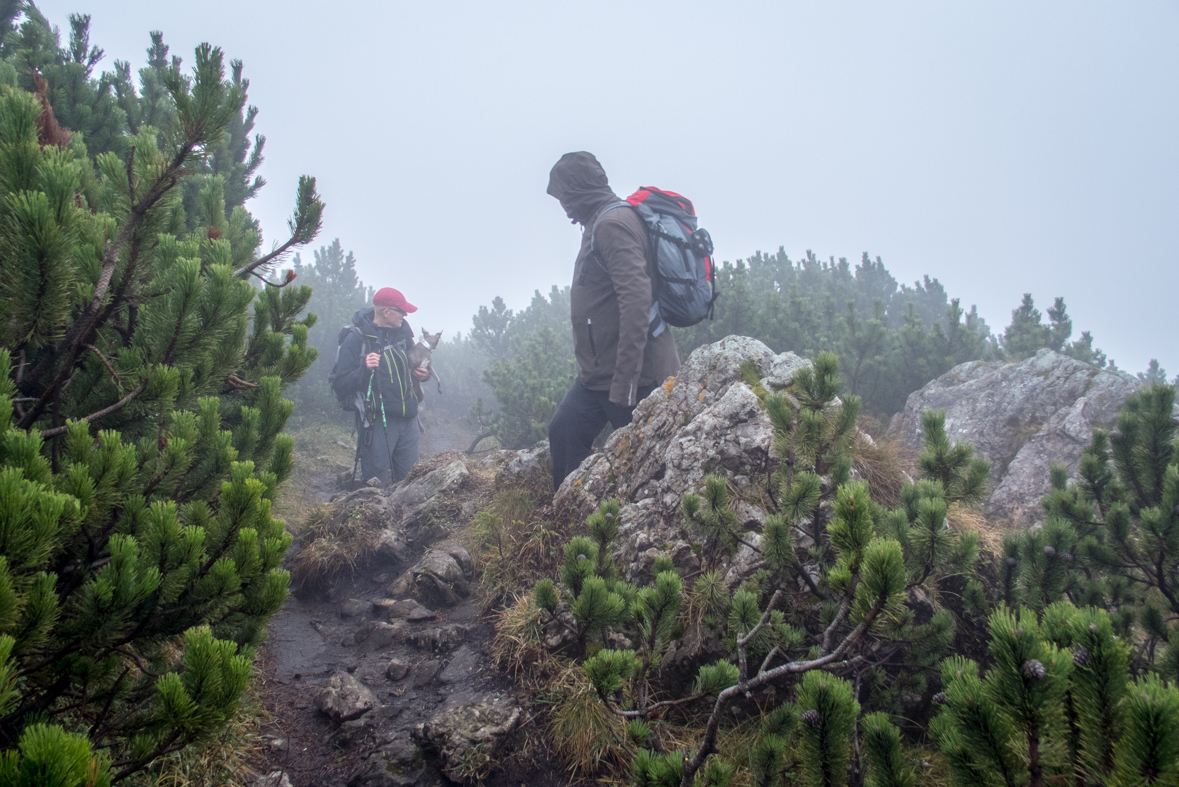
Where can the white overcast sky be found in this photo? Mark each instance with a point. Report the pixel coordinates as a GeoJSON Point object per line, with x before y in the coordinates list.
{"type": "Point", "coordinates": [1002, 147]}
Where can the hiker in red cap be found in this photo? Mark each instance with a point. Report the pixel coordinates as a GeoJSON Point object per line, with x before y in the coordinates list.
{"type": "Point", "coordinates": [372, 375]}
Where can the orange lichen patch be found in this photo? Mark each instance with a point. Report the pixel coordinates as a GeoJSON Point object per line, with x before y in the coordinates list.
{"type": "Point", "coordinates": [700, 398]}
{"type": "Point", "coordinates": [667, 386]}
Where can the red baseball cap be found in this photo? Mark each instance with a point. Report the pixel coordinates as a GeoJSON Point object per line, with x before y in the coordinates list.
{"type": "Point", "coordinates": [387, 296]}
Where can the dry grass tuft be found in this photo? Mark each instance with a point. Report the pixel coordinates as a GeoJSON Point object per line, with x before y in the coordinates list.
{"type": "Point", "coordinates": [735, 743]}
{"type": "Point", "coordinates": [886, 465]}
{"type": "Point", "coordinates": [972, 520]}
{"type": "Point", "coordinates": [514, 545]}
{"type": "Point", "coordinates": [518, 646]}
{"type": "Point", "coordinates": [333, 542]}
{"type": "Point", "coordinates": [582, 731]}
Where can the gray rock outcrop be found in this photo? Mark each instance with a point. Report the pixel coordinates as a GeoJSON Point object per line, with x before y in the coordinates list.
{"type": "Point", "coordinates": [708, 419]}
{"type": "Point", "coordinates": [1023, 416]}
{"type": "Point", "coordinates": [412, 509]}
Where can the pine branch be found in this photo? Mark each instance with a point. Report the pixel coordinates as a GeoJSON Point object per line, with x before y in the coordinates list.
{"type": "Point", "coordinates": [304, 226]}
{"type": "Point", "coordinates": [837, 621]}
{"type": "Point", "coordinates": [67, 348]}
{"type": "Point", "coordinates": [290, 277]}
{"type": "Point", "coordinates": [119, 405]}
{"type": "Point", "coordinates": [642, 713]}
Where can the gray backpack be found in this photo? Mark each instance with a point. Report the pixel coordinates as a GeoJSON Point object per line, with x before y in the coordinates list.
{"type": "Point", "coordinates": [685, 284]}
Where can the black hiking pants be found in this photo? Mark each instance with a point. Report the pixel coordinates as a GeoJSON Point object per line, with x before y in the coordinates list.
{"type": "Point", "coordinates": [579, 418]}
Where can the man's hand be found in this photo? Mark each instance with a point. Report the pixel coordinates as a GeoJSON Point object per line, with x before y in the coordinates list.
{"type": "Point", "coordinates": [372, 360]}
{"type": "Point", "coordinates": [619, 414]}
{"type": "Point", "coordinates": [421, 374]}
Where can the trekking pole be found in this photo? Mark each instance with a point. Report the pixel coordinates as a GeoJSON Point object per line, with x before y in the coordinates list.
{"type": "Point", "coordinates": [366, 435]}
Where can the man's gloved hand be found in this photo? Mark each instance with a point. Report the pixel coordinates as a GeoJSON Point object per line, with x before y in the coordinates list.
{"type": "Point", "coordinates": [619, 414]}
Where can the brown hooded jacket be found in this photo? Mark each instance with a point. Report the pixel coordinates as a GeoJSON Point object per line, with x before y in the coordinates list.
{"type": "Point", "coordinates": [612, 289]}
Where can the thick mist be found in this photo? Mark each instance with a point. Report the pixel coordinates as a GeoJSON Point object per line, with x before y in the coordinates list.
{"type": "Point", "coordinates": [1002, 148]}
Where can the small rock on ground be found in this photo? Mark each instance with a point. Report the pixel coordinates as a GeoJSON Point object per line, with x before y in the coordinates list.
{"type": "Point", "coordinates": [343, 697]}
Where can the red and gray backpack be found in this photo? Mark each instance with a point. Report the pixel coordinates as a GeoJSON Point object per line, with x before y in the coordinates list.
{"type": "Point", "coordinates": [685, 285]}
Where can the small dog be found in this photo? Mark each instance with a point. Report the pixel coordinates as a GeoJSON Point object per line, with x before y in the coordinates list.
{"type": "Point", "coordinates": [419, 358]}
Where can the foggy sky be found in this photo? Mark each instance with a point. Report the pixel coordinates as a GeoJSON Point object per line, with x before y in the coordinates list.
{"type": "Point", "coordinates": [1001, 147]}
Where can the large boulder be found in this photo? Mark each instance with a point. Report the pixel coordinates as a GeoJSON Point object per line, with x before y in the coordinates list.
{"type": "Point", "coordinates": [705, 420]}
{"type": "Point", "coordinates": [1023, 416]}
{"type": "Point", "coordinates": [710, 418]}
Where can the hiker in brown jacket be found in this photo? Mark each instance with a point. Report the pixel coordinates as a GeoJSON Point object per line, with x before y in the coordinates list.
{"type": "Point", "coordinates": [618, 363]}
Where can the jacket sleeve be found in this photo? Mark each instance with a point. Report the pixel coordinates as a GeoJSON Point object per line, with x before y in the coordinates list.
{"type": "Point", "coordinates": [351, 373]}
{"type": "Point", "coordinates": [624, 249]}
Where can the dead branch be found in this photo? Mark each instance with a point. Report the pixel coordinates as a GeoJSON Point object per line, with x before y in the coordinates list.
{"type": "Point", "coordinates": [238, 383]}
{"type": "Point", "coordinates": [105, 363]}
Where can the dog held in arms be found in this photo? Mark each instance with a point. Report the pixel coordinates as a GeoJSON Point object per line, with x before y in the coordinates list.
{"type": "Point", "coordinates": [419, 358]}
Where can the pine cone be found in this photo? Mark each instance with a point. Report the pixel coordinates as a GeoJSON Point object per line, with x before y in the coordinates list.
{"type": "Point", "coordinates": [580, 558]}
{"type": "Point", "coordinates": [1093, 627]}
{"type": "Point", "coordinates": [1012, 562]}
{"type": "Point", "coordinates": [609, 515]}
{"type": "Point", "coordinates": [1082, 657]}
{"type": "Point", "coordinates": [1066, 557]}
{"type": "Point", "coordinates": [812, 718]}
{"type": "Point", "coordinates": [1034, 669]}
{"type": "Point", "coordinates": [1050, 551]}
{"type": "Point", "coordinates": [939, 698]}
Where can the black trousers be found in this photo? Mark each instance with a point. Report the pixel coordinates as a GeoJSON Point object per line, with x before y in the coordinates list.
{"type": "Point", "coordinates": [579, 418]}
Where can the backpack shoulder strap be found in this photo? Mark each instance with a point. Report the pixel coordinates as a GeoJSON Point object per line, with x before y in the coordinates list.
{"type": "Point", "coordinates": [598, 218]}
{"type": "Point", "coordinates": [349, 329]}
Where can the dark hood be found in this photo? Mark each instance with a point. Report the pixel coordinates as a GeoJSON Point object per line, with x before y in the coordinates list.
{"type": "Point", "coordinates": [579, 183]}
